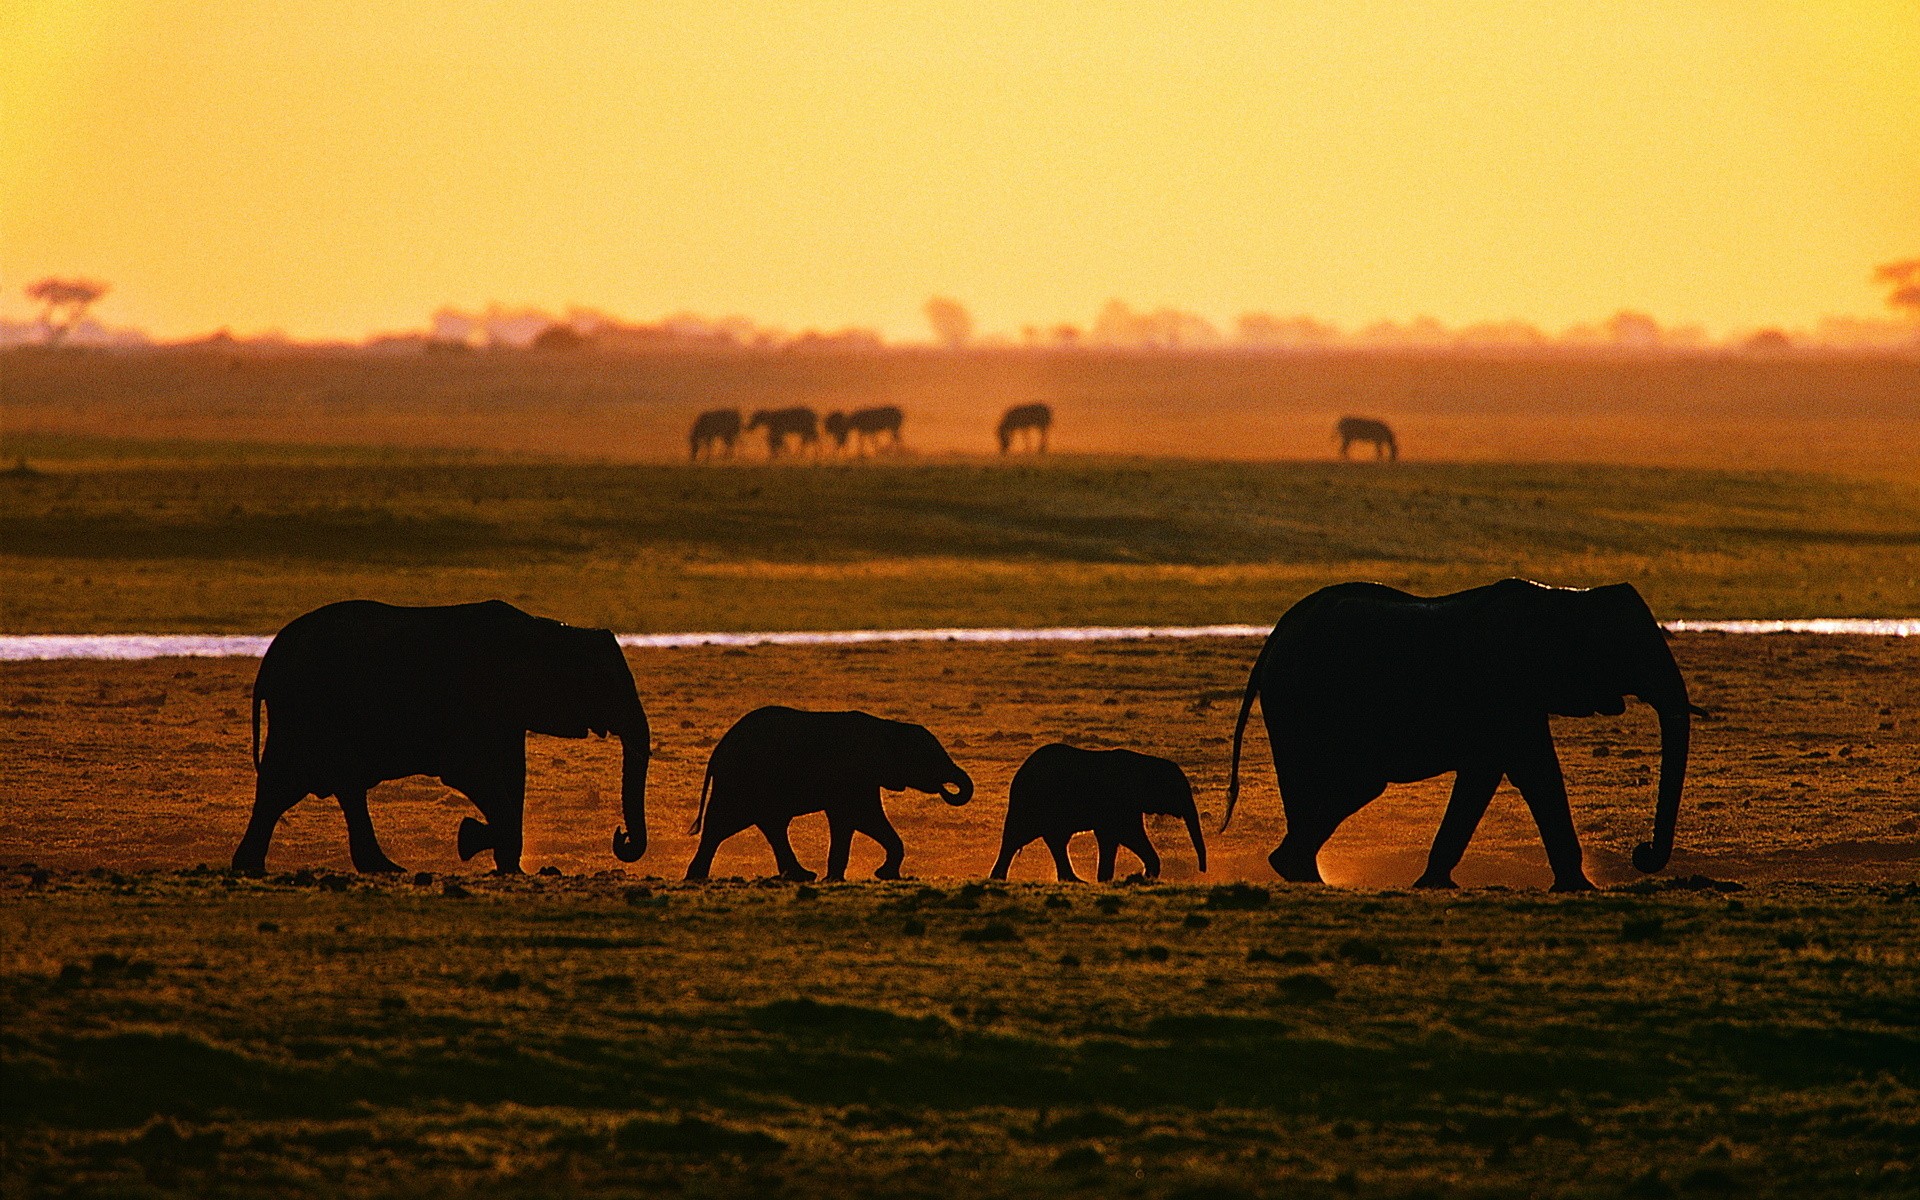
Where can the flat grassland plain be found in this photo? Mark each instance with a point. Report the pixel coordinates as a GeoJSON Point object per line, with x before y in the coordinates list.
{"type": "Point", "coordinates": [174, 1030]}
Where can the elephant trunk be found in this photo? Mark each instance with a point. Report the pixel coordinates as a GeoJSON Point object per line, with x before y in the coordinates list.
{"type": "Point", "coordinates": [958, 790]}
{"type": "Point", "coordinates": [630, 840]}
{"type": "Point", "coordinates": [1192, 818]}
{"type": "Point", "coordinates": [1675, 734]}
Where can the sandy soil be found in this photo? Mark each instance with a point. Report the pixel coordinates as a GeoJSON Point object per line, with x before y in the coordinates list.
{"type": "Point", "coordinates": [1812, 770]}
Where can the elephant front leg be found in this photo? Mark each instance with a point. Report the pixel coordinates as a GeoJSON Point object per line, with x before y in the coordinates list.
{"type": "Point", "coordinates": [362, 843]}
{"type": "Point", "coordinates": [873, 822]}
{"type": "Point", "coordinates": [1109, 852]}
{"type": "Point", "coordinates": [1136, 840]}
{"type": "Point", "coordinates": [783, 856]}
{"type": "Point", "coordinates": [1536, 772]}
{"type": "Point", "coordinates": [1473, 789]}
{"type": "Point", "coordinates": [496, 781]}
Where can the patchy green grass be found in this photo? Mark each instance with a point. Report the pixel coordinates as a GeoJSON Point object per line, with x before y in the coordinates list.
{"type": "Point", "coordinates": [246, 545]}
{"type": "Point", "coordinates": [193, 1034]}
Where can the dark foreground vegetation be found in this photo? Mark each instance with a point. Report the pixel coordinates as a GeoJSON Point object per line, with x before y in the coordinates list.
{"type": "Point", "coordinates": [313, 1034]}
{"type": "Point", "coordinates": [160, 537]}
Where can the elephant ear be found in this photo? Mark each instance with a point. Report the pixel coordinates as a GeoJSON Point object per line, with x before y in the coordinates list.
{"type": "Point", "coordinates": [503, 667]}
{"type": "Point", "coordinates": [1595, 634]}
{"type": "Point", "coordinates": [556, 674]}
{"type": "Point", "coordinates": [879, 750]}
{"type": "Point", "coordinates": [914, 752]}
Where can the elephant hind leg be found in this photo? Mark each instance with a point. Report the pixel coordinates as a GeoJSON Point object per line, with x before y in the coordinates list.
{"type": "Point", "coordinates": [702, 865]}
{"type": "Point", "coordinates": [362, 843]}
{"type": "Point", "coordinates": [783, 856]}
{"type": "Point", "coordinates": [273, 795]}
{"type": "Point", "coordinates": [839, 846]}
{"type": "Point", "coordinates": [1009, 846]}
{"type": "Point", "coordinates": [1136, 840]}
{"type": "Point", "coordinates": [1062, 864]}
{"type": "Point", "coordinates": [1314, 812]}
{"type": "Point", "coordinates": [721, 821]}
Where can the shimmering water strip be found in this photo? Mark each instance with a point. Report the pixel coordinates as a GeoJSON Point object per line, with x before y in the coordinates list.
{"type": "Point", "coordinates": [855, 637]}
{"type": "Point", "coordinates": [106, 646]}
{"type": "Point", "coordinates": [1869, 626]}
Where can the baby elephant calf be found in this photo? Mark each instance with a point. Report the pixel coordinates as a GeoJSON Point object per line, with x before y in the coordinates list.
{"type": "Point", "coordinates": [1062, 790]}
{"type": "Point", "coordinates": [777, 763]}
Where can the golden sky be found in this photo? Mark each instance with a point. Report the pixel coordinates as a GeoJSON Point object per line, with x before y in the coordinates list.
{"type": "Point", "coordinates": [330, 167]}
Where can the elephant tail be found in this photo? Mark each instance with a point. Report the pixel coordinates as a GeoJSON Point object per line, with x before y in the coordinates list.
{"type": "Point", "coordinates": [1239, 733]}
{"type": "Point", "coordinates": [257, 702]}
{"type": "Point", "coordinates": [706, 794]}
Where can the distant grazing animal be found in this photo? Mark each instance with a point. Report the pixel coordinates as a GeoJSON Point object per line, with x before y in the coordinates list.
{"type": "Point", "coordinates": [836, 427]}
{"type": "Point", "coordinates": [1034, 420]}
{"type": "Point", "coordinates": [715, 425]}
{"type": "Point", "coordinates": [864, 425]}
{"type": "Point", "coordinates": [776, 764]}
{"type": "Point", "coordinates": [781, 423]}
{"type": "Point", "coordinates": [360, 692]}
{"type": "Point", "coordinates": [1062, 790]}
{"type": "Point", "coordinates": [869, 424]}
{"type": "Point", "coordinates": [1362, 686]}
{"type": "Point", "coordinates": [1366, 429]}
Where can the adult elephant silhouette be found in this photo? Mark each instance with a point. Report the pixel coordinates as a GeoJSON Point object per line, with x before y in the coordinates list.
{"type": "Point", "coordinates": [1362, 685]}
{"type": "Point", "coordinates": [778, 763]}
{"type": "Point", "coordinates": [1062, 790]}
{"type": "Point", "coordinates": [359, 692]}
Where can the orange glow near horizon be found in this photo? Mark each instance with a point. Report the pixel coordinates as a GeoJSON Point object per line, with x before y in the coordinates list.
{"type": "Point", "coordinates": [333, 168]}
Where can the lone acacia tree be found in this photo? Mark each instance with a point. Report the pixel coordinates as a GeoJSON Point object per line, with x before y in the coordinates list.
{"type": "Point", "coordinates": [951, 322]}
{"type": "Point", "coordinates": [67, 301]}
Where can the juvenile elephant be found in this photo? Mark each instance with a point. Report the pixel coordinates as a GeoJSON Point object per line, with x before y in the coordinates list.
{"type": "Point", "coordinates": [359, 692]}
{"type": "Point", "coordinates": [1362, 685]}
{"type": "Point", "coordinates": [1062, 790]}
{"type": "Point", "coordinates": [777, 763]}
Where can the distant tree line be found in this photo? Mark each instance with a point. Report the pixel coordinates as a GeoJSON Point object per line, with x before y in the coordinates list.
{"type": "Point", "coordinates": [64, 305]}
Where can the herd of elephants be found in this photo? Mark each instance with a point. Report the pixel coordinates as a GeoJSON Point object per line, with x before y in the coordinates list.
{"type": "Point", "coordinates": [1360, 686]}
{"type": "Point", "coordinates": [1024, 426]}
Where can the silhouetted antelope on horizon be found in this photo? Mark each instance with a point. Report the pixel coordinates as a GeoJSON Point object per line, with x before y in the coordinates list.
{"type": "Point", "coordinates": [780, 423]}
{"type": "Point", "coordinates": [715, 425]}
{"type": "Point", "coordinates": [865, 426]}
{"type": "Point", "coordinates": [1366, 429]}
{"type": "Point", "coordinates": [1033, 420]}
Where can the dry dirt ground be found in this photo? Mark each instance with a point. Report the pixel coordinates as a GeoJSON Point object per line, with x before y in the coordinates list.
{"type": "Point", "coordinates": [1810, 772]}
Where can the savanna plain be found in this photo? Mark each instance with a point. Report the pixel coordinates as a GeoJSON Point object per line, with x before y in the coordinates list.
{"type": "Point", "coordinates": [1745, 1022]}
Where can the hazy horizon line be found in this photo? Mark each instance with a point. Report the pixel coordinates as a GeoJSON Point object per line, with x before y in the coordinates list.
{"type": "Point", "coordinates": [1117, 327]}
